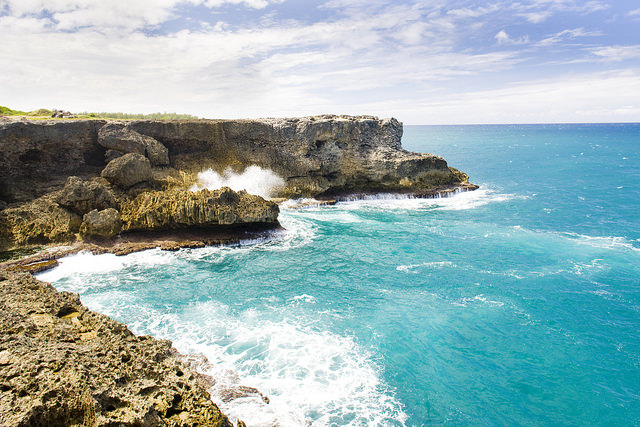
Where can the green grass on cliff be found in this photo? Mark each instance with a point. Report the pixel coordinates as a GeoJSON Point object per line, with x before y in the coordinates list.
{"type": "Point", "coordinates": [43, 112]}
{"type": "Point", "coordinates": [6, 111]}
{"type": "Point", "coordinates": [129, 116]}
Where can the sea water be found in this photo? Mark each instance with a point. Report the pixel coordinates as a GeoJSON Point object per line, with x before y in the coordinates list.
{"type": "Point", "coordinates": [518, 303]}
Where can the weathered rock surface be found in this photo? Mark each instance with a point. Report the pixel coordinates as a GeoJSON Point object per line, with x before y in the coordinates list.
{"type": "Point", "coordinates": [38, 156]}
{"type": "Point", "coordinates": [325, 155]}
{"type": "Point", "coordinates": [37, 222]}
{"type": "Point", "coordinates": [102, 224]}
{"type": "Point", "coordinates": [63, 365]}
{"type": "Point", "coordinates": [128, 170]}
{"type": "Point", "coordinates": [118, 136]}
{"type": "Point", "coordinates": [176, 209]}
{"type": "Point", "coordinates": [82, 196]}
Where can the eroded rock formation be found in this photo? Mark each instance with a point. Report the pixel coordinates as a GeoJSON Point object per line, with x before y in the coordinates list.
{"type": "Point", "coordinates": [176, 209]}
{"type": "Point", "coordinates": [61, 364]}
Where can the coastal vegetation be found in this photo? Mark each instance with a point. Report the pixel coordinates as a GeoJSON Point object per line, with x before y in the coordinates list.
{"type": "Point", "coordinates": [46, 113]}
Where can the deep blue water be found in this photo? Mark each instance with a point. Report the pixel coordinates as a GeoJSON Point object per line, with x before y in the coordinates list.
{"type": "Point", "coordinates": [518, 303]}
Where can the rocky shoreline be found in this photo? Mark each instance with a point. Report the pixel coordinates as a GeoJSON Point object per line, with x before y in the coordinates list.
{"type": "Point", "coordinates": [68, 186]}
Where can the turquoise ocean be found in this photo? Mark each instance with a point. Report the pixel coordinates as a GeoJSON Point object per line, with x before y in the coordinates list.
{"type": "Point", "coordinates": [516, 304]}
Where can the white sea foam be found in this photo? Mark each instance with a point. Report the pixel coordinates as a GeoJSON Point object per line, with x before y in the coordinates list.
{"type": "Point", "coordinates": [478, 299]}
{"type": "Point", "coordinates": [411, 268]}
{"type": "Point", "coordinates": [607, 242]}
{"type": "Point", "coordinates": [459, 201]}
{"type": "Point", "coordinates": [254, 179]}
{"type": "Point", "coordinates": [311, 376]}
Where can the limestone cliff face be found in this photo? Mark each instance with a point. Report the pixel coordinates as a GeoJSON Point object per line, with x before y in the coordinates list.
{"type": "Point", "coordinates": [146, 168]}
{"type": "Point", "coordinates": [315, 155]}
{"type": "Point", "coordinates": [38, 156]}
{"type": "Point", "coordinates": [322, 155]}
{"type": "Point", "coordinates": [63, 365]}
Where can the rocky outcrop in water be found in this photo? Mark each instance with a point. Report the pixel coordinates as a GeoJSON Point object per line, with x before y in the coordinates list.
{"type": "Point", "coordinates": [45, 220]}
{"type": "Point", "coordinates": [63, 365]}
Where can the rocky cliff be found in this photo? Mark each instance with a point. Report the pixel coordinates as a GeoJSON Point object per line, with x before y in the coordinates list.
{"type": "Point", "coordinates": [92, 179]}
{"type": "Point", "coordinates": [63, 365]}
{"type": "Point", "coordinates": [324, 155]}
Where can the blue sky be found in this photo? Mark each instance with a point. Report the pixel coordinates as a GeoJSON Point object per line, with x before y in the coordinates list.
{"type": "Point", "coordinates": [424, 62]}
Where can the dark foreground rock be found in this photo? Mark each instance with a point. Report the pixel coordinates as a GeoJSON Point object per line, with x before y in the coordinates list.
{"type": "Point", "coordinates": [63, 365]}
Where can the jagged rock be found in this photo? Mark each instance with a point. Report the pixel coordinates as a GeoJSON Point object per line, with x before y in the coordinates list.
{"type": "Point", "coordinates": [128, 170]}
{"type": "Point", "coordinates": [179, 209]}
{"type": "Point", "coordinates": [61, 364]}
{"type": "Point", "coordinates": [316, 156]}
{"type": "Point", "coordinates": [114, 136]}
{"type": "Point", "coordinates": [240, 391]}
{"type": "Point", "coordinates": [83, 196]}
{"type": "Point", "coordinates": [61, 114]}
{"type": "Point", "coordinates": [37, 222]}
{"type": "Point", "coordinates": [118, 136]}
{"type": "Point", "coordinates": [104, 224]}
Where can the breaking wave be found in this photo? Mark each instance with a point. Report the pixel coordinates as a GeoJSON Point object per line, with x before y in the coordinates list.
{"type": "Point", "coordinates": [254, 180]}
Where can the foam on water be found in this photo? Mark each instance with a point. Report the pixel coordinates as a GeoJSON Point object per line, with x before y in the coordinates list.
{"type": "Point", "coordinates": [458, 201]}
{"type": "Point", "coordinates": [607, 242]}
{"type": "Point", "coordinates": [254, 179]}
{"type": "Point", "coordinates": [309, 375]}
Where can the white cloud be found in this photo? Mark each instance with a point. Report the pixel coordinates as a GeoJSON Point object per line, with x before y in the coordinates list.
{"type": "Point", "coordinates": [634, 13]}
{"type": "Point", "coordinates": [566, 35]}
{"type": "Point", "coordinates": [536, 17]}
{"type": "Point", "coordinates": [617, 53]}
{"type": "Point", "coordinates": [121, 14]}
{"type": "Point", "coordinates": [255, 4]}
{"type": "Point", "coordinates": [597, 97]}
{"type": "Point", "coordinates": [504, 39]}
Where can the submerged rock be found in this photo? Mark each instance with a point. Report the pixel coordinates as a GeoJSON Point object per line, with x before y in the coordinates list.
{"type": "Point", "coordinates": [61, 364]}
{"type": "Point", "coordinates": [128, 170]}
{"type": "Point", "coordinates": [179, 209]}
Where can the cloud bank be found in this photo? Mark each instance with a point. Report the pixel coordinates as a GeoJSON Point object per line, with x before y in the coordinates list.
{"type": "Point", "coordinates": [421, 61]}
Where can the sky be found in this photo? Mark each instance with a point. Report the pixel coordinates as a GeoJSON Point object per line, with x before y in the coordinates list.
{"type": "Point", "coordinates": [423, 62]}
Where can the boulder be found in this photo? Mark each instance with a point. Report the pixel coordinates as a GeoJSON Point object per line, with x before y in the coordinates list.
{"type": "Point", "coordinates": [119, 137]}
{"type": "Point", "coordinates": [156, 152]}
{"type": "Point", "coordinates": [105, 223]}
{"type": "Point", "coordinates": [112, 154]}
{"type": "Point", "coordinates": [128, 170]}
{"type": "Point", "coordinates": [83, 196]}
